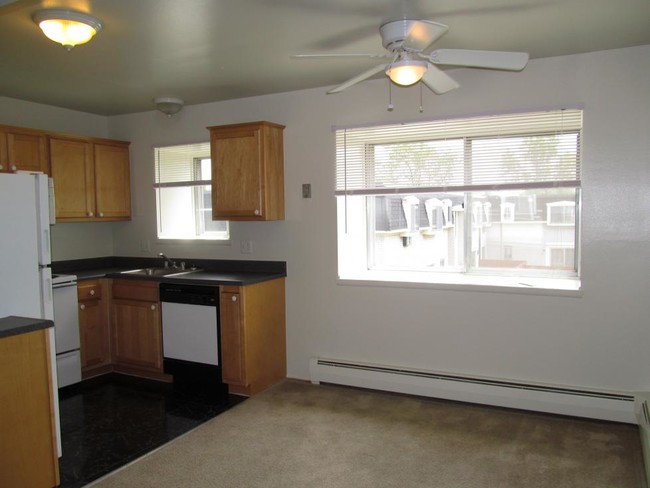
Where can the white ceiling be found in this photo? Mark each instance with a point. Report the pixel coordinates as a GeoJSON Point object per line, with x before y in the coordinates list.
{"type": "Point", "coordinates": [211, 50]}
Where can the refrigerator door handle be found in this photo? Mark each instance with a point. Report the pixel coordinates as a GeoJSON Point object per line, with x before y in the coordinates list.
{"type": "Point", "coordinates": [47, 296]}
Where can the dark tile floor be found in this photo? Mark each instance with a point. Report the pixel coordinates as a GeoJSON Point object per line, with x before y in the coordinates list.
{"type": "Point", "coordinates": [109, 421]}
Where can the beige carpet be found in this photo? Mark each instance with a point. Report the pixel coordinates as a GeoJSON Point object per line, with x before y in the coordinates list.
{"type": "Point", "coordinates": [300, 435]}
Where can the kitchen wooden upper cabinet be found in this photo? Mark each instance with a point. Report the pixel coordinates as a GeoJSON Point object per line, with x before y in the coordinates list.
{"type": "Point", "coordinates": [136, 327]}
{"type": "Point", "coordinates": [91, 179]}
{"type": "Point", "coordinates": [112, 181]}
{"type": "Point", "coordinates": [73, 174]}
{"type": "Point", "coordinates": [253, 337]}
{"type": "Point", "coordinates": [23, 150]}
{"type": "Point", "coordinates": [93, 297]}
{"type": "Point", "coordinates": [247, 171]}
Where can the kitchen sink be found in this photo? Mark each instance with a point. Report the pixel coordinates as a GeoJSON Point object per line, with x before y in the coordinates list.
{"type": "Point", "coordinates": [159, 272]}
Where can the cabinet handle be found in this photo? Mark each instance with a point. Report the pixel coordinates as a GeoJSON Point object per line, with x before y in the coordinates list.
{"type": "Point", "coordinates": [153, 307]}
{"type": "Point", "coordinates": [13, 167]}
{"type": "Point", "coordinates": [101, 214]}
{"type": "Point", "coordinates": [234, 298]}
{"type": "Point", "coordinates": [82, 307]}
{"type": "Point", "coordinates": [256, 212]}
{"type": "Point", "coordinates": [92, 292]}
{"type": "Point", "coordinates": [90, 214]}
{"type": "Point", "coordinates": [1, 167]}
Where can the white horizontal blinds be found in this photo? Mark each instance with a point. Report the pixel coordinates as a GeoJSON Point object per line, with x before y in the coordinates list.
{"type": "Point", "coordinates": [531, 150]}
{"type": "Point", "coordinates": [176, 165]}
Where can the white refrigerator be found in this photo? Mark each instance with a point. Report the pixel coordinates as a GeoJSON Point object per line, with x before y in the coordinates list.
{"type": "Point", "coordinates": [25, 274]}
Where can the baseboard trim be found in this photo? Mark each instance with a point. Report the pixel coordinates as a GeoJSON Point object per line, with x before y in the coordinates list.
{"type": "Point", "coordinates": [556, 399]}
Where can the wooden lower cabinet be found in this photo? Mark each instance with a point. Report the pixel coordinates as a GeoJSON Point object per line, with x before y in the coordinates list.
{"type": "Point", "coordinates": [93, 296]}
{"type": "Point", "coordinates": [253, 337]}
{"type": "Point", "coordinates": [136, 328]}
{"type": "Point", "coordinates": [28, 453]}
{"type": "Point", "coordinates": [121, 330]}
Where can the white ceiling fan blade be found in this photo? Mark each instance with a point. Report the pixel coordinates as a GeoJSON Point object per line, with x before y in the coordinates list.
{"type": "Point", "coordinates": [510, 61]}
{"type": "Point", "coordinates": [307, 56]}
{"type": "Point", "coordinates": [438, 81]}
{"type": "Point", "coordinates": [422, 34]}
{"type": "Point", "coordinates": [359, 78]}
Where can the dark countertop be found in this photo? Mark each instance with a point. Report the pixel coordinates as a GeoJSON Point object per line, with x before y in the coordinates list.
{"type": "Point", "coordinates": [213, 271]}
{"type": "Point", "coordinates": [14, 325]}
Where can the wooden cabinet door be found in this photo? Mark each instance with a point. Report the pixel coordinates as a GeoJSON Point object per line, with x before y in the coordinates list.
{"type": "Point", "coordinates": [72, 171]}
{"type": "Point", "coordinates": [25, 151]}
{"type": "Point", "coordinates": [93, 330]}
{"type": "Point", "coordinates": [233, 366]}
{"type": "Point", "coordinates": [112, 181]}
{"type": "Point", "coordinates": [28, 454]}
{"type": "Point", "coordinates": [137, 338]}
{"type": "Point", "coordinates": [237, 173]}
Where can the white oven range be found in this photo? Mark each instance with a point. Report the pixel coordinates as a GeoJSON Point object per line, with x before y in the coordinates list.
{"type": "Point", "coordinates": [66, 329]}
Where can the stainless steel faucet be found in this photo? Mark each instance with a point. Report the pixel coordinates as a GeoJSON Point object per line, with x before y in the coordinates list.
{"type": "Point", "coordinates": [169, 261]}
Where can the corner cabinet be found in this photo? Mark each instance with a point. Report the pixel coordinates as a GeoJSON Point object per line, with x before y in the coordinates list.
{"type": "Point", "coordinates": [247, 171]}
{"type": "Point", "coordinates": [253, 336]}
{"type": "Point", "coordinates": [23, 150]}
{"type": "Point", "coordinates": [136, 328]}
{"type": "Point", "coordinates": [91, 179]}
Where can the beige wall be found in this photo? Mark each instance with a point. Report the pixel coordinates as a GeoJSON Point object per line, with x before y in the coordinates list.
{"type": "Point", "coordinates": [598, 340]}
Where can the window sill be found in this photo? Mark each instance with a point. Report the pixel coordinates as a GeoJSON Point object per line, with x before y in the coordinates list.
{"type": "Point", "coordinates": [492, 284]}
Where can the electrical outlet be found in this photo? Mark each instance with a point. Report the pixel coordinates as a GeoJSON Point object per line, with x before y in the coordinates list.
{"type": "Point", "coordinates": [246, 247]}
{"type": "Point", "coordinates": [145, 246]}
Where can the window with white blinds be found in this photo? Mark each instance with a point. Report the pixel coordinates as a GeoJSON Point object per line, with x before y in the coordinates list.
{"type": "Point", "coordinates": [175, 165]}
{"type": "Point", "coordinates": [500, 152]}
{"type": "Point", "coordinates": [183, 185]}
{"type": "Point", "coordinates": [489, 200]}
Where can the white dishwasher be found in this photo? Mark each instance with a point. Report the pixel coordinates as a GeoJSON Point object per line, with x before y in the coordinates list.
{"type": "Point", "coordinates": [190, 329]}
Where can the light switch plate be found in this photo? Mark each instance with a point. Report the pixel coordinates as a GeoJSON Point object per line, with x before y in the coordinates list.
{"type": "Point", "coordinates": [306, 190]}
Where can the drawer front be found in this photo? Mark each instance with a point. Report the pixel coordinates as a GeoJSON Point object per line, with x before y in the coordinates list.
{"type": "Point", "coordinates": [89, 290]}
{"type": "Point", "coordinates": [136, 290]}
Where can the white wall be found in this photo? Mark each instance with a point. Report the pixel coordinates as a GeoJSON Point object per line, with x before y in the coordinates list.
{"type": "Point", "coordinates": [599, 340]}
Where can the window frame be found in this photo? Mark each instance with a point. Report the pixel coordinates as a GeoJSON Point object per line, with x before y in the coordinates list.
{"type": "Point", "coordinates": [542, 278]}
{"type": "Point", "coordinates": [196, 187]}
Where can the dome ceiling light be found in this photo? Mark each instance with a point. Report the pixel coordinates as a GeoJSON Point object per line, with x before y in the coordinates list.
{"type": "Point", "coordinates": [169, 105]}
{"type": "Point", "coordinates": [67, 27]}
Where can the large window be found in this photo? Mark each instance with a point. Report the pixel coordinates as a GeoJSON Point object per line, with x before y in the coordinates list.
{"type": "Point", "coordinates": [183, 184]}
{"type": "Point", "coordinates": [493, 198]}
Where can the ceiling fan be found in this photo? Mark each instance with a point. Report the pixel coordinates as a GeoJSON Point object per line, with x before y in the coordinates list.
{"type": "Point", "coordinates": [412, 59]}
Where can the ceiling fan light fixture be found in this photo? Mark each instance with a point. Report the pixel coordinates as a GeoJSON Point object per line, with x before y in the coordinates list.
{"type": "Point", "coordinates": [169, 105]}
{"type": "Point", "coordinates": [67, 27]}
{"type": "Point", "coordinates": [406, 72]}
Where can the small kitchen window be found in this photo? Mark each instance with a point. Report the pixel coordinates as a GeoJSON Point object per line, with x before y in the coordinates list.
{"type": "Point", "coordinates": [183, 185]}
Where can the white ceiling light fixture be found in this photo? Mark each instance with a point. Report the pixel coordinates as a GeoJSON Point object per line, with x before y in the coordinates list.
{"type": "Point", "coordinates": [67, 27]}
{"type": "Point", "coordinates": [169, 105]}
{"type": "Point", "coordinates": [406, 71]}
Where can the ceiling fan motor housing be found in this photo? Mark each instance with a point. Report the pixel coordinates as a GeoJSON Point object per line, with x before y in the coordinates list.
{"type": "Point", "coordinates": [394, 33]}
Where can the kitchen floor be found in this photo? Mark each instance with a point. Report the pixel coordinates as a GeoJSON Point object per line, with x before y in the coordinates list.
{"type": "Point", "coordinates": [109, 421]}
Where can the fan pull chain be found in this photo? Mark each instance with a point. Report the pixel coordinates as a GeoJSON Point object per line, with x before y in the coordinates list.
{"type": "Point", "coordinates": [421, 107]}
{"type": "Point", "coordinates": [390, 98]}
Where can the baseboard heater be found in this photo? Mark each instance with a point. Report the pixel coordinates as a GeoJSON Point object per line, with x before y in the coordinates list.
{"type": "Point", "coordinates": [613, 406]}
{"type": "Point", "coordinates": [643, 416]}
